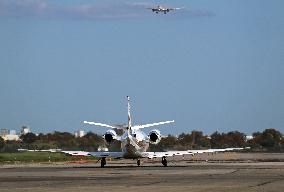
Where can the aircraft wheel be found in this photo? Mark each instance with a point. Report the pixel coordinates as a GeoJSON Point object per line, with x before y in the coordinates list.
{"type": "Point", "coordinates": [138, 162]}
{"type": "Point", "coordinates": [103, 162]}
{"type": "Point", "coordinates": [164, 161]}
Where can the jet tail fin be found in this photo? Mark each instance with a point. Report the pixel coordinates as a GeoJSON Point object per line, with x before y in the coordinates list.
{"type": "Point", "coordinates": [128, 110]}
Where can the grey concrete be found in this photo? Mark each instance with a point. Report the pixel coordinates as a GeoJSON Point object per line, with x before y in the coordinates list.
{"type": "Point", "coordinates": [126, 176]}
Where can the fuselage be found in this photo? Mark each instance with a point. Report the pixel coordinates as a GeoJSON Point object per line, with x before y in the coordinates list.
{"type": "Point", "coordinates": [160, 9]}
{"type": "Point", "coordinates": [133, 143]}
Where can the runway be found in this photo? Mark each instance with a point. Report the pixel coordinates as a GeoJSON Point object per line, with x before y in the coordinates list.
{"type": "Point", "coordinates": [181, 176]}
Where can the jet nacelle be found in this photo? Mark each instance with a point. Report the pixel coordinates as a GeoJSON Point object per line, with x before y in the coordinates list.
{"type": "Point", "coordinates": [154, 136]}
{"type": "Point", "coordinates": [110, 136]}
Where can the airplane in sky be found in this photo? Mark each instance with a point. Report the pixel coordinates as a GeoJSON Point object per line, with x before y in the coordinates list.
{"type": "Point", "coordinates": [134, 142]}
{"type": "Point", "coordinates": [161, 9]}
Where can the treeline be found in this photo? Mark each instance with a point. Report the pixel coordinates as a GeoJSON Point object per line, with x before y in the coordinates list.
{"type": "Point", "coordinates": [268, 140]}
{"type": "Point", "coordinates": [61, 140]}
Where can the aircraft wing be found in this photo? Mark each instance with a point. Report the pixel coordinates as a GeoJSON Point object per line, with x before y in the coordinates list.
{"type": "Point", "coordinates": [95, 154]}
{"type": "Point", "coordinates": [151, 155]}
{"type": "Point", "coordinates": [107, 154]}
{"type": "Point", "coordinates": [151, 125]}
{"type": "Point", "coordinates": [40, 150]}
{"type": "Point", "coordinates": [214, 150]}
{"type": "Point", "coordinates": [76, 153]}
{"type": "Point", "coordinates": [177, 8]}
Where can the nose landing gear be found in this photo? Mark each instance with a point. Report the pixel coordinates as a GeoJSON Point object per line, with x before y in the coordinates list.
{"type": "Point", "coordinates": [138, 162]}
{"type": "Point", "coordinates": [103, 162]}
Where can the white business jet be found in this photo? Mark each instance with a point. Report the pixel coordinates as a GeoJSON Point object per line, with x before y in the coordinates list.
{"type": "Point", "coordinates": [134, 143]}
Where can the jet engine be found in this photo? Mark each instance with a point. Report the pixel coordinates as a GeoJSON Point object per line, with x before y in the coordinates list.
{"type": "Point", "coordinates": [110, 136]}
{"type": "Point", "coordinates": [154, 136]}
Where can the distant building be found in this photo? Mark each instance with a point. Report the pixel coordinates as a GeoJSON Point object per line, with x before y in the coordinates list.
{"type": "Point", "coordinates": [25, 130]}
{"type": "Point", "coordinates": [3, 132]}
{"type": "Point", "coordinates": [249, 137]}
{"type": "Point", "coordinates": [12, 132]}
{"type": "Point", "coordinates": [9, 135]}
{"type": "Point", "coordinates": [79, 133]}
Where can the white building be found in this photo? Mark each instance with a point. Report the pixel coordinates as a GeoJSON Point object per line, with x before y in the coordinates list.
{"type": "Point", "coordinates": [10, 137]}
{"type": "Point", "coordinates": [79, 133]}
{"type": "Point", "coordinates": [3, 132]}
{"type": "Point", "coordinates": [13, 132]}
{"type": "Point", "coordinates": [249, 137]}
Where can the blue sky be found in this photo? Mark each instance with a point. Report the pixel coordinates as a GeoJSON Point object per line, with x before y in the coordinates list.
{"type": "Point", "coordinates": [215, 65]}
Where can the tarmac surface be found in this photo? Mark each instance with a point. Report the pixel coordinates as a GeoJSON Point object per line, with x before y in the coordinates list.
{"type": "Point", "coordinates": [123, 175]}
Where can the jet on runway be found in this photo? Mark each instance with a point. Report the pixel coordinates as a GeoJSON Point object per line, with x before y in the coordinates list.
{"type": "Point", "coordinates": [134, 142]}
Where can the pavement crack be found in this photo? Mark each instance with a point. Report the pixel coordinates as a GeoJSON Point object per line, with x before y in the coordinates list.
{"type": "Point", "coordinates": [232, 172]}
{"type": "Point", "coordinates": [235, 171]}
{"type": "Point", "coordinates": [266, 182]}
{"type": "Point", "coordinates": [263, 183]}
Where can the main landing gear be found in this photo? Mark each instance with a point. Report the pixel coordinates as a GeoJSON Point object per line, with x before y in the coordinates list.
{"type": "Point", "coordinates": [103, 162]}
{"type": "Point", "coordinates": [164, 161]}
{"type": "Point", "coordinates": [138, 162]}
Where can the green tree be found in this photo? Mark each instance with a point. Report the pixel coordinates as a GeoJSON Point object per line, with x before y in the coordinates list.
{"type": "Point", "coordinates": [235, 139]}
{"type": "Point", "coordinates": [2, 143]}
{"type": "Point", "coordinates": [91, 141]}
{"type": "Point", "coordinates": [167, 143]}
{"type": "Point", "coordinates": [185, 140]}
{"type": "Point", "coordinates": [199, 140]}
{"type": "Point", "coordinates": [11, 146]}
{"type": "Point", "coordinates": [28, 138]}
{"type": "Point", "coordinates": [271, 138]}
{"type": "Point", "coordinates": [217, 140]}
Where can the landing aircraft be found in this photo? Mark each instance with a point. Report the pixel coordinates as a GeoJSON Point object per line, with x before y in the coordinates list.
{"type": "Point", "coordinates": [134, 142]}
{"type": "Point", "coordinates": [161, 9]}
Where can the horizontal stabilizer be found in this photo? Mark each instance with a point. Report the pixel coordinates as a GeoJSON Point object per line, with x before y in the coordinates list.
{"type": "Point", "coordinates": [102, 125]}
{"type": "Point", "coordinates": [151, 125]}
